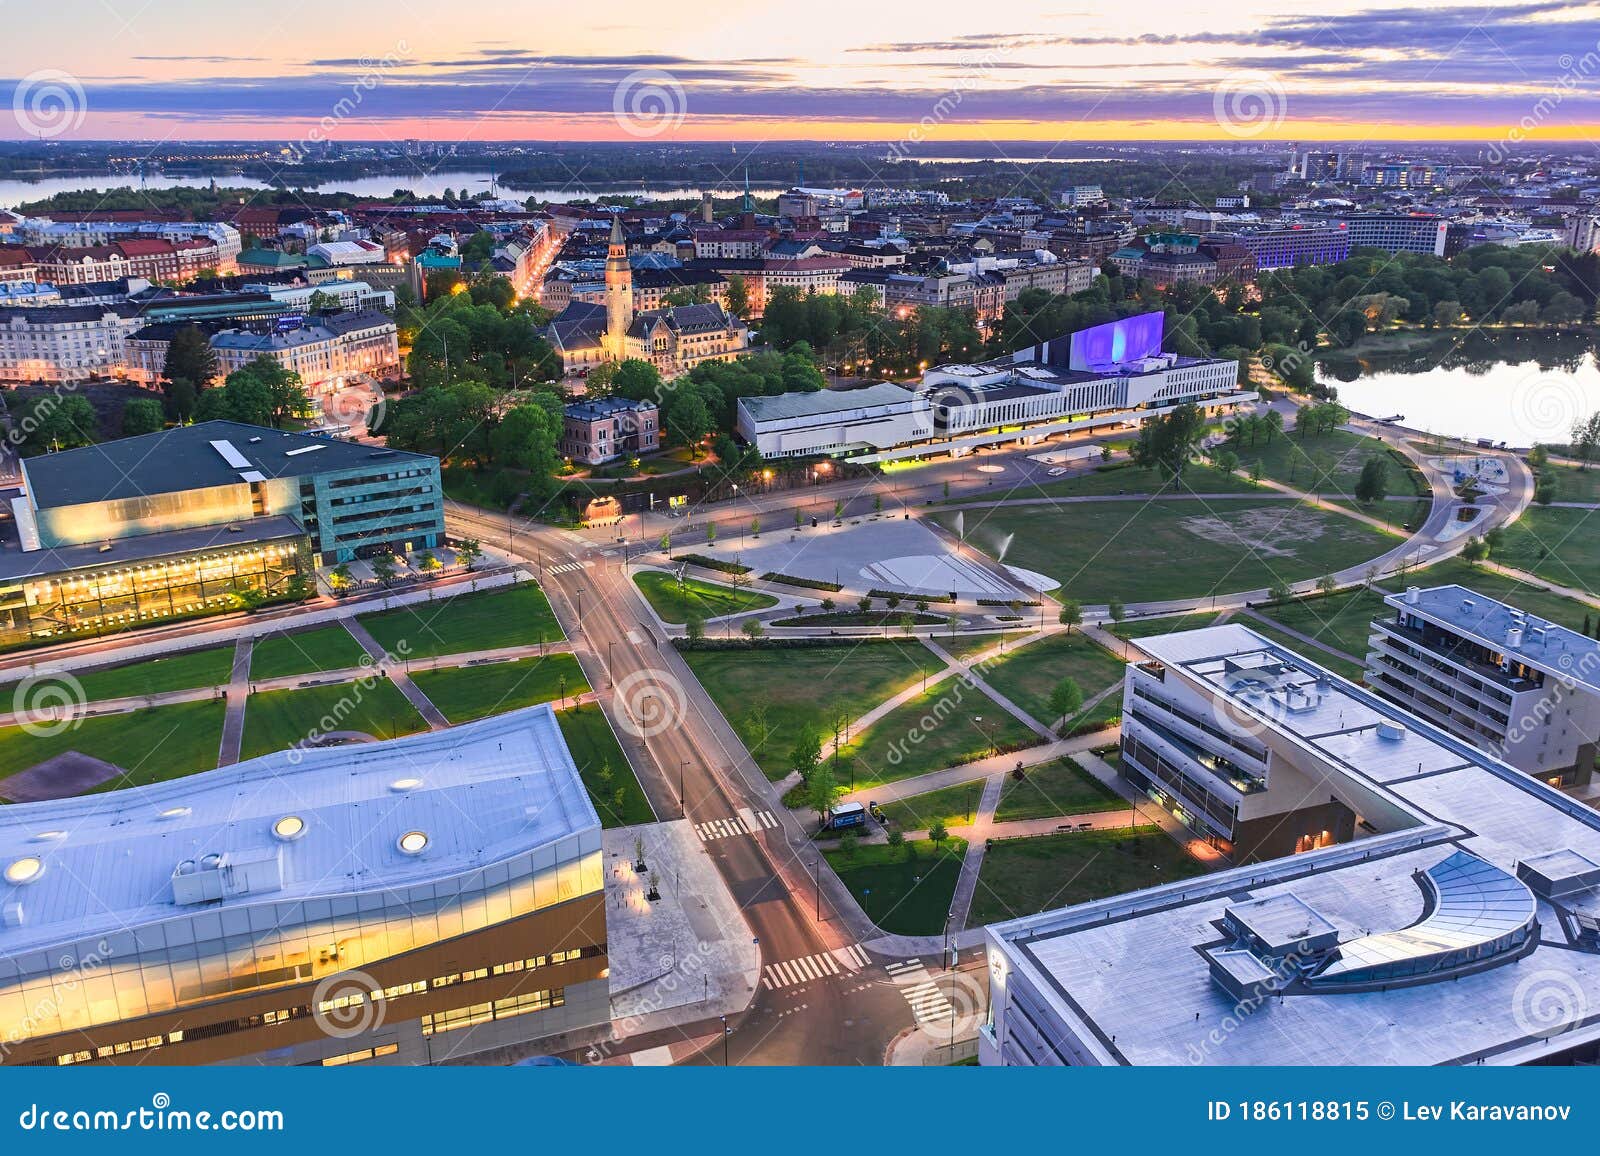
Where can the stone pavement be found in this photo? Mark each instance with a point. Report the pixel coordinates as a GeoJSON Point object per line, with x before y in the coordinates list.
{"type": "Point", "coordinates": [237, 692]}
{"type": "Point", "coordinates": [396, 671]}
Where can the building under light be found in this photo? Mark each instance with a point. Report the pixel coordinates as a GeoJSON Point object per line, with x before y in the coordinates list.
{"type": "Point", "coordinates": [1401, 897]}
{"type": "Point", "coordinates": [200, 519]}
{"type": "Point", "coordinates": [401, 902]}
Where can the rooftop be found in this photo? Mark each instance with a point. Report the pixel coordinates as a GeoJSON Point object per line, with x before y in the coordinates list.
{"type": "Point", "coordinates": [826, 401]}
{"type": "Point", "coordinates": [1129, 972]}
{"type": "Point", "coordinates": [1505, 629]}
{"type": "Point", "coordinates": [189, 458]}
{"type": "Point", "coordinates": [478, 794]}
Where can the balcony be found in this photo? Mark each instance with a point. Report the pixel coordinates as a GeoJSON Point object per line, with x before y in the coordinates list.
{"type": "Point", "coordinates": [1458, 654]}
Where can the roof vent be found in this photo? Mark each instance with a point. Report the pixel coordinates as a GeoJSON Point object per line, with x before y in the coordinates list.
{"type": "Point", "coordinates": [1391, 730]}
{"type": "Point", "coordinates": [1467, 603]}
{"type": "Point", "coordinates": [1514, 637]}
{"type": "Point", "coordinates": [11, 915]}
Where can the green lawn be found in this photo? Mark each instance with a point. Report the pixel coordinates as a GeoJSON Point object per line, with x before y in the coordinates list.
{"type": "Point", "coordinates": [768, 696]}
{"type": "Point", "coordinates": [932, 731]}
{"type": "Point", "coordinates": [1126, 479]}
{"type": "Point", "coordinates": [955, 806]}
{"type": "Point", "coordinates": [963, 645]}
{"type": "Point", "coordinates": [163, 742]}
{"type": "Point", "coordinates": [674, 601]}
{"type": "Point", "coordinates": [1171, 624]}
{"type": "Point", "coordinates": [1327, 464]}
{"type": "Point", "coordinates": [1560, 545]}
{"type": "Point", "coordinates": [1058, 788]}
{"type": "Point", "coordinates": [1025, 876]}
{"type": "Point", "coordinates": [1028, 674]}
{"type": "Point", "coordinates": [1341, 620]}
{"type": "Point", "coordinates": [1105, 550]}
{"type": "Point", "coordinates": [467, 622]}
{"type": "Point", "coordinates": [613, 789]}
{"type": "Point", "coordinates": [465, 693]}
{"type": "Point", "coordinates": [891, 619]}
{"type": "Point", "coordinates": [211, 667]}
{"type": "Point", "coordinates": [306, 652]}
{"type": "Point", "coordinates": [1575, 485]}
{"type": "Point", "coordinates": [278, 719]}
{"type": "Point", "coordinates": [905, 890]}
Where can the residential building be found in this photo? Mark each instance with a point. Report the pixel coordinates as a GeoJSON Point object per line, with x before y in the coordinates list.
{"type": "Point", "coordinates": [392, 903]}
{"type": "Point", "coordinates": [1524, 689]}
{"type": "Point", "coordinates": [1396, 895]}
{"type": "Point", "coordinates": [65, 344]}
{"type": "Point", "coordinates": [1166, 259]}
{"type": "Point", "coordinates": [596, 432]}
{"type": "Point", "coordinates": [1399, 232]}
{"type": "Point", "coordinates": [324, 353]}
{"type": "Point", "coordinates": [1289, 244]}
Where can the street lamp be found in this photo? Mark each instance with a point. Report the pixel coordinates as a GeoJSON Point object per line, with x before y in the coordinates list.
{"type": "Point", "coordinates": [683, 800]}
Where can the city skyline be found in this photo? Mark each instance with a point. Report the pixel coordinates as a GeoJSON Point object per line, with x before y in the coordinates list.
{"type": "Point", "coordinates": [1343, 71]}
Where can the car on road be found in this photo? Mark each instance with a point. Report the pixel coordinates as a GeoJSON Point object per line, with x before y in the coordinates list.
{"type": "Point", "coordinates": [1058, 471]}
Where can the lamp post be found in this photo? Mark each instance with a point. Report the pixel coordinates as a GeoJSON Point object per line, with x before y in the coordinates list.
{"type": "Point", "coordinates": [726, 1032]}
{"type": "Point", "coordinates": [683, 800]}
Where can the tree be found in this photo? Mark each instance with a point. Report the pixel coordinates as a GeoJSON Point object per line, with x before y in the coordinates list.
{"type": "Point", "coordinates": [143, 415]}
{"type": "Point", "coordinates": [864, 603]}
{"type": "Point", "coordinates": [753, 629]}
{"type": "Point", "coordinates": [896, 838]}
{"type": "Point", "coordinates": [1167, 443]}
{"type": "Point", "coordinates": [828, 605]}
{"type": "Point", "coordinates": [694, 627]}
{"type": "Point", "coordinates": [1586, 439]}
{"type": "Point", "coordinates": [265, 387]}
{"type": "Point", "coordinates": [1066, 700]}
{"type": "Point", "coordinates": [938, 833]}
{"type": "Point", "coordinates": [1116, 610]}
{"type": "Point", "coordinates": [1476, 550]}
{"type": "Point", "coordinates": [428, 563]}
{"type": "Point", "coordinates": [688, 420]}
{"type": "Point", "coordinates": [1538, 456]}
{"type": "Point", "coordinates": [1446, 313]}
{"type": "Point", "coordinates": [822, 790]}
{"type": "Point", "coordinates": [711, 533]}
{"type": "Point", "coordinates": [806, 754]}
{"type": "Point", "coordinates": [1373, 484]}
{"type": "Point", "coordinates": [1279, 591]}
{"type": "Point", "coordinates": [1326, 584]}
{"type": "Point", "coordinates": [738, 295]}
{"type": "Point", "coordinates": [190, 359]}
{"type": "Point", "coordinates": [383, 568]}
{"type": "Point", "coordinates": [468, 552]}
{"type": "Point", "coordinates": [1071, 613]}
{"type": "Point", "coordinates": [54, 422]}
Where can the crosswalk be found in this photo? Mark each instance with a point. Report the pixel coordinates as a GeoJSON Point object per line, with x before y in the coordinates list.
{"type": "Point", "coordinates": [819, 966]}
{"type": "Point", "coordinates": [744, 823]}
{"type": "Point", "coordinates": [565, 567]}
{"type": "Point", "coordinates": [928, 1003]}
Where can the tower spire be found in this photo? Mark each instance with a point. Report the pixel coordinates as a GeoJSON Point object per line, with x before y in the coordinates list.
{"type": "Point", "coordinates": [749, 205]}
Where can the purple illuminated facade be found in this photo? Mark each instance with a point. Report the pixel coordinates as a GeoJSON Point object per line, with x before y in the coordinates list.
{"type": "Point", "coordinates": [1117, 342]}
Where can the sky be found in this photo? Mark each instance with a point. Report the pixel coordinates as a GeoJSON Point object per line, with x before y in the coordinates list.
{"type": "Point", "coordinates": [916, 71]}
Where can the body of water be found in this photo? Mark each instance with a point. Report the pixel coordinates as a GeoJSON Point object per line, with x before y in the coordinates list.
{"type": "Point", "coordinates": [1520, 390]}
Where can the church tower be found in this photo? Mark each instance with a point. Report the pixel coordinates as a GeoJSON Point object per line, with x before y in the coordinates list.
{"type": "Point", "coordinates": [619, 293]}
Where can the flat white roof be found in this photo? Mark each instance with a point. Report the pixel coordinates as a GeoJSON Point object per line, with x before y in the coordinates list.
{"type": "Point", "coordinates": [480, 793]}
{"type": "Point", "coordinates": [1128, 973]}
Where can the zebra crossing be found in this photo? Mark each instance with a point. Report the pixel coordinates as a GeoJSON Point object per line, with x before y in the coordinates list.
{"type": "Point", "coordinates": [928, 1004]}
{"type": "Point", "coordinates": [744, 823]}
{"type": "Point", "coordinates": [565, 568]}
{"type": "Point", "coordinates": [842, 960]}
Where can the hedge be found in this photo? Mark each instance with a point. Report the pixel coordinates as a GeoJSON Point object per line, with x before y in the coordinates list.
{"type": "Point", "coordinates": [809, 583]}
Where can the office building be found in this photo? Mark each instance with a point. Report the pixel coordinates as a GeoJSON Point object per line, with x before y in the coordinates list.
{"type": "Point", "coordinates": [1287, 244]}
{"type": "Point", "coordinates": [65, 344]}
{"type": "Point", "coordinates": [596, 432]}
{"type": "Point", "coordinates": [1525, 690]}
{"type": "Point", "coordinates": [401, 902]}
{"type": "Point", "coordinates": [324, 352]}
{"type": "Point", "coordinates": [1420, 902]}
{"type": "Point", "coordinates": [192, 520]}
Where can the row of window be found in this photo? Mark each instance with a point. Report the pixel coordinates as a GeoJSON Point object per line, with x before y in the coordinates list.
{"type": "Point", "coordinates": [500, 1009]}
{"type": "Point", "coordinates": [358, 1056]}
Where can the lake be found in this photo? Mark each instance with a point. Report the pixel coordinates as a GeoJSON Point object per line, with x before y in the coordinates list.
{"type": "Point", "coordinates": [1518, 388]}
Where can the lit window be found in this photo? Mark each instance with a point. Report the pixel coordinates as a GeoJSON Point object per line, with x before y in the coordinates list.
{"type": "Point", "coordinates": [401, 785]}
{"type": "Point", "coordinates": [24, 870]}
{"type": "Point", "coordinates": [412, 843]}
{"type": "Point", "coordinates": [289, 828]}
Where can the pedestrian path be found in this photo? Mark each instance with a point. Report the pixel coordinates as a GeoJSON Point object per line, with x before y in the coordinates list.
{"type": "Point", "coordinates": [745, 823]}
{"type": "Point", "coordinates": [793, 972]}
{"type": "Point", "coordinates": [928, 1003]}
{"type": "Point", "coordinates": [397, 675]}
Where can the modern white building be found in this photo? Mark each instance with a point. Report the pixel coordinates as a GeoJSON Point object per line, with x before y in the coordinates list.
{"type": "Point", "coordinates": [1103, 377]}
{"type": "Point", "coordinates": [1525, 690]}
{"type": "Point", "coordinates": [1457, 922]}
{"type": "Point", "coordinates": [395, 902]}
